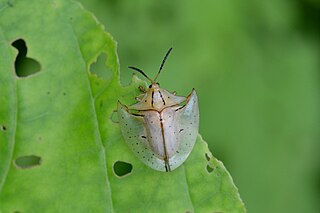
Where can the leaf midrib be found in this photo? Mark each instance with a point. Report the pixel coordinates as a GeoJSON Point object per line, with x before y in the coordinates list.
{"type": "Point", "coordinates": [95, 119]}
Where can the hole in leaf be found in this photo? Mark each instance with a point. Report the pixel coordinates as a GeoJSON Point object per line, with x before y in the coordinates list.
{"type": "Point", "coordinates": [26, 162]}
{"type": "Point", "coordinates": [101, 104]}
{"type": "Point", "coordinates": [207, 157]}
{"type": "Point", "coordinates": [24, 66]}
{"type": "Point", "coordinates": [99, 67]}
{"type": "Point", "coordinates": [209, 169]}
{"type": "Point", "coordinates": [121, 168]}
{"type": "Point", "coordinates": [3, 128]}
{"type": "Point", "coordinates": [114, 117]}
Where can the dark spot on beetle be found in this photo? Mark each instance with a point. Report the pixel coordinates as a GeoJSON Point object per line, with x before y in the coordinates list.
{"type": "Point", "coordinates": [152, 154]}
{"type": "Point", "coordinates": [144, 136]}
{"type": "Point", "coordinates": [122, 117]}
{"type": "Point", "coordinates": [137, 143]}
{"type": "Point", "coordinates": [180, 130]}
{"type": "Point", "coordinates": [169, 126]}
{"type": "Point", "coordinates": [191, 123]}
{"type": "Point", "coordinates": [177, 151]}
{"type": "Point", "coordinates": [122, 168]}
{"type": "Point", "coordinates": [143, 156]}
{"type": "Point", "coordinates": [145, 101]}
{"type": "Point", "coordinates": [129, 136]}
{"type": "Point", "coordinates": [160, 119]}
{"type": "Point", "coordinates": [189, 133]}
{"type": "Point", "coordinates": [138, 152]}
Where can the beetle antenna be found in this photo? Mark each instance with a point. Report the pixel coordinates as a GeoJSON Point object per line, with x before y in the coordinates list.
{"type": "Point", "coordinates": [140, 71]}
{"type": "Point", "coordinates": [163, 61]}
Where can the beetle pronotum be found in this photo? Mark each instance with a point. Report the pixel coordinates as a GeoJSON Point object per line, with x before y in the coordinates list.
{"type": "Point", "coordinates": [161, 128]}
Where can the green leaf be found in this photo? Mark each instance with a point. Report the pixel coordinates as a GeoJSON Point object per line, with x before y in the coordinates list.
{"type": "Point", "coordinates": [61, 149]}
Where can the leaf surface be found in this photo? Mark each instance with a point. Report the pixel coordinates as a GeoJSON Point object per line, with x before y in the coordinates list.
{"type": "Point", "coordinates": [59, 138]}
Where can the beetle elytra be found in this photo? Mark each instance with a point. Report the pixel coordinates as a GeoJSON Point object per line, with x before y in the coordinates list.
{"type": "Point", "coordinates": [161, 128]}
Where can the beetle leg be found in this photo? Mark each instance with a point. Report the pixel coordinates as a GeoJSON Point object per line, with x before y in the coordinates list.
{"type": "Point", "coordinates": [139, 97]}
{"type": "Point", "coordinates": [142, 89]}
{"type": "Point", "coordinates": [167, 166]}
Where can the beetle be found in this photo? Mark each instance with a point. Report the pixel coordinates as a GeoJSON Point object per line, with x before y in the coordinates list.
{"type": "Point", "coordinates": [161, 128]}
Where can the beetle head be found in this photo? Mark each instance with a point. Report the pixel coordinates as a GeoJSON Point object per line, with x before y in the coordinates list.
{"type": "Point", "coordinates": [153, 84]}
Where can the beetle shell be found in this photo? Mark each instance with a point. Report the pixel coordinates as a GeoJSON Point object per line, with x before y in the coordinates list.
{"type": "Point", "coordinates": [162, 128]}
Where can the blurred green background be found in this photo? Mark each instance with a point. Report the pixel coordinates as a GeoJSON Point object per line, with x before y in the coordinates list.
{"type": "Point", "coordinates": [255, 66]}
